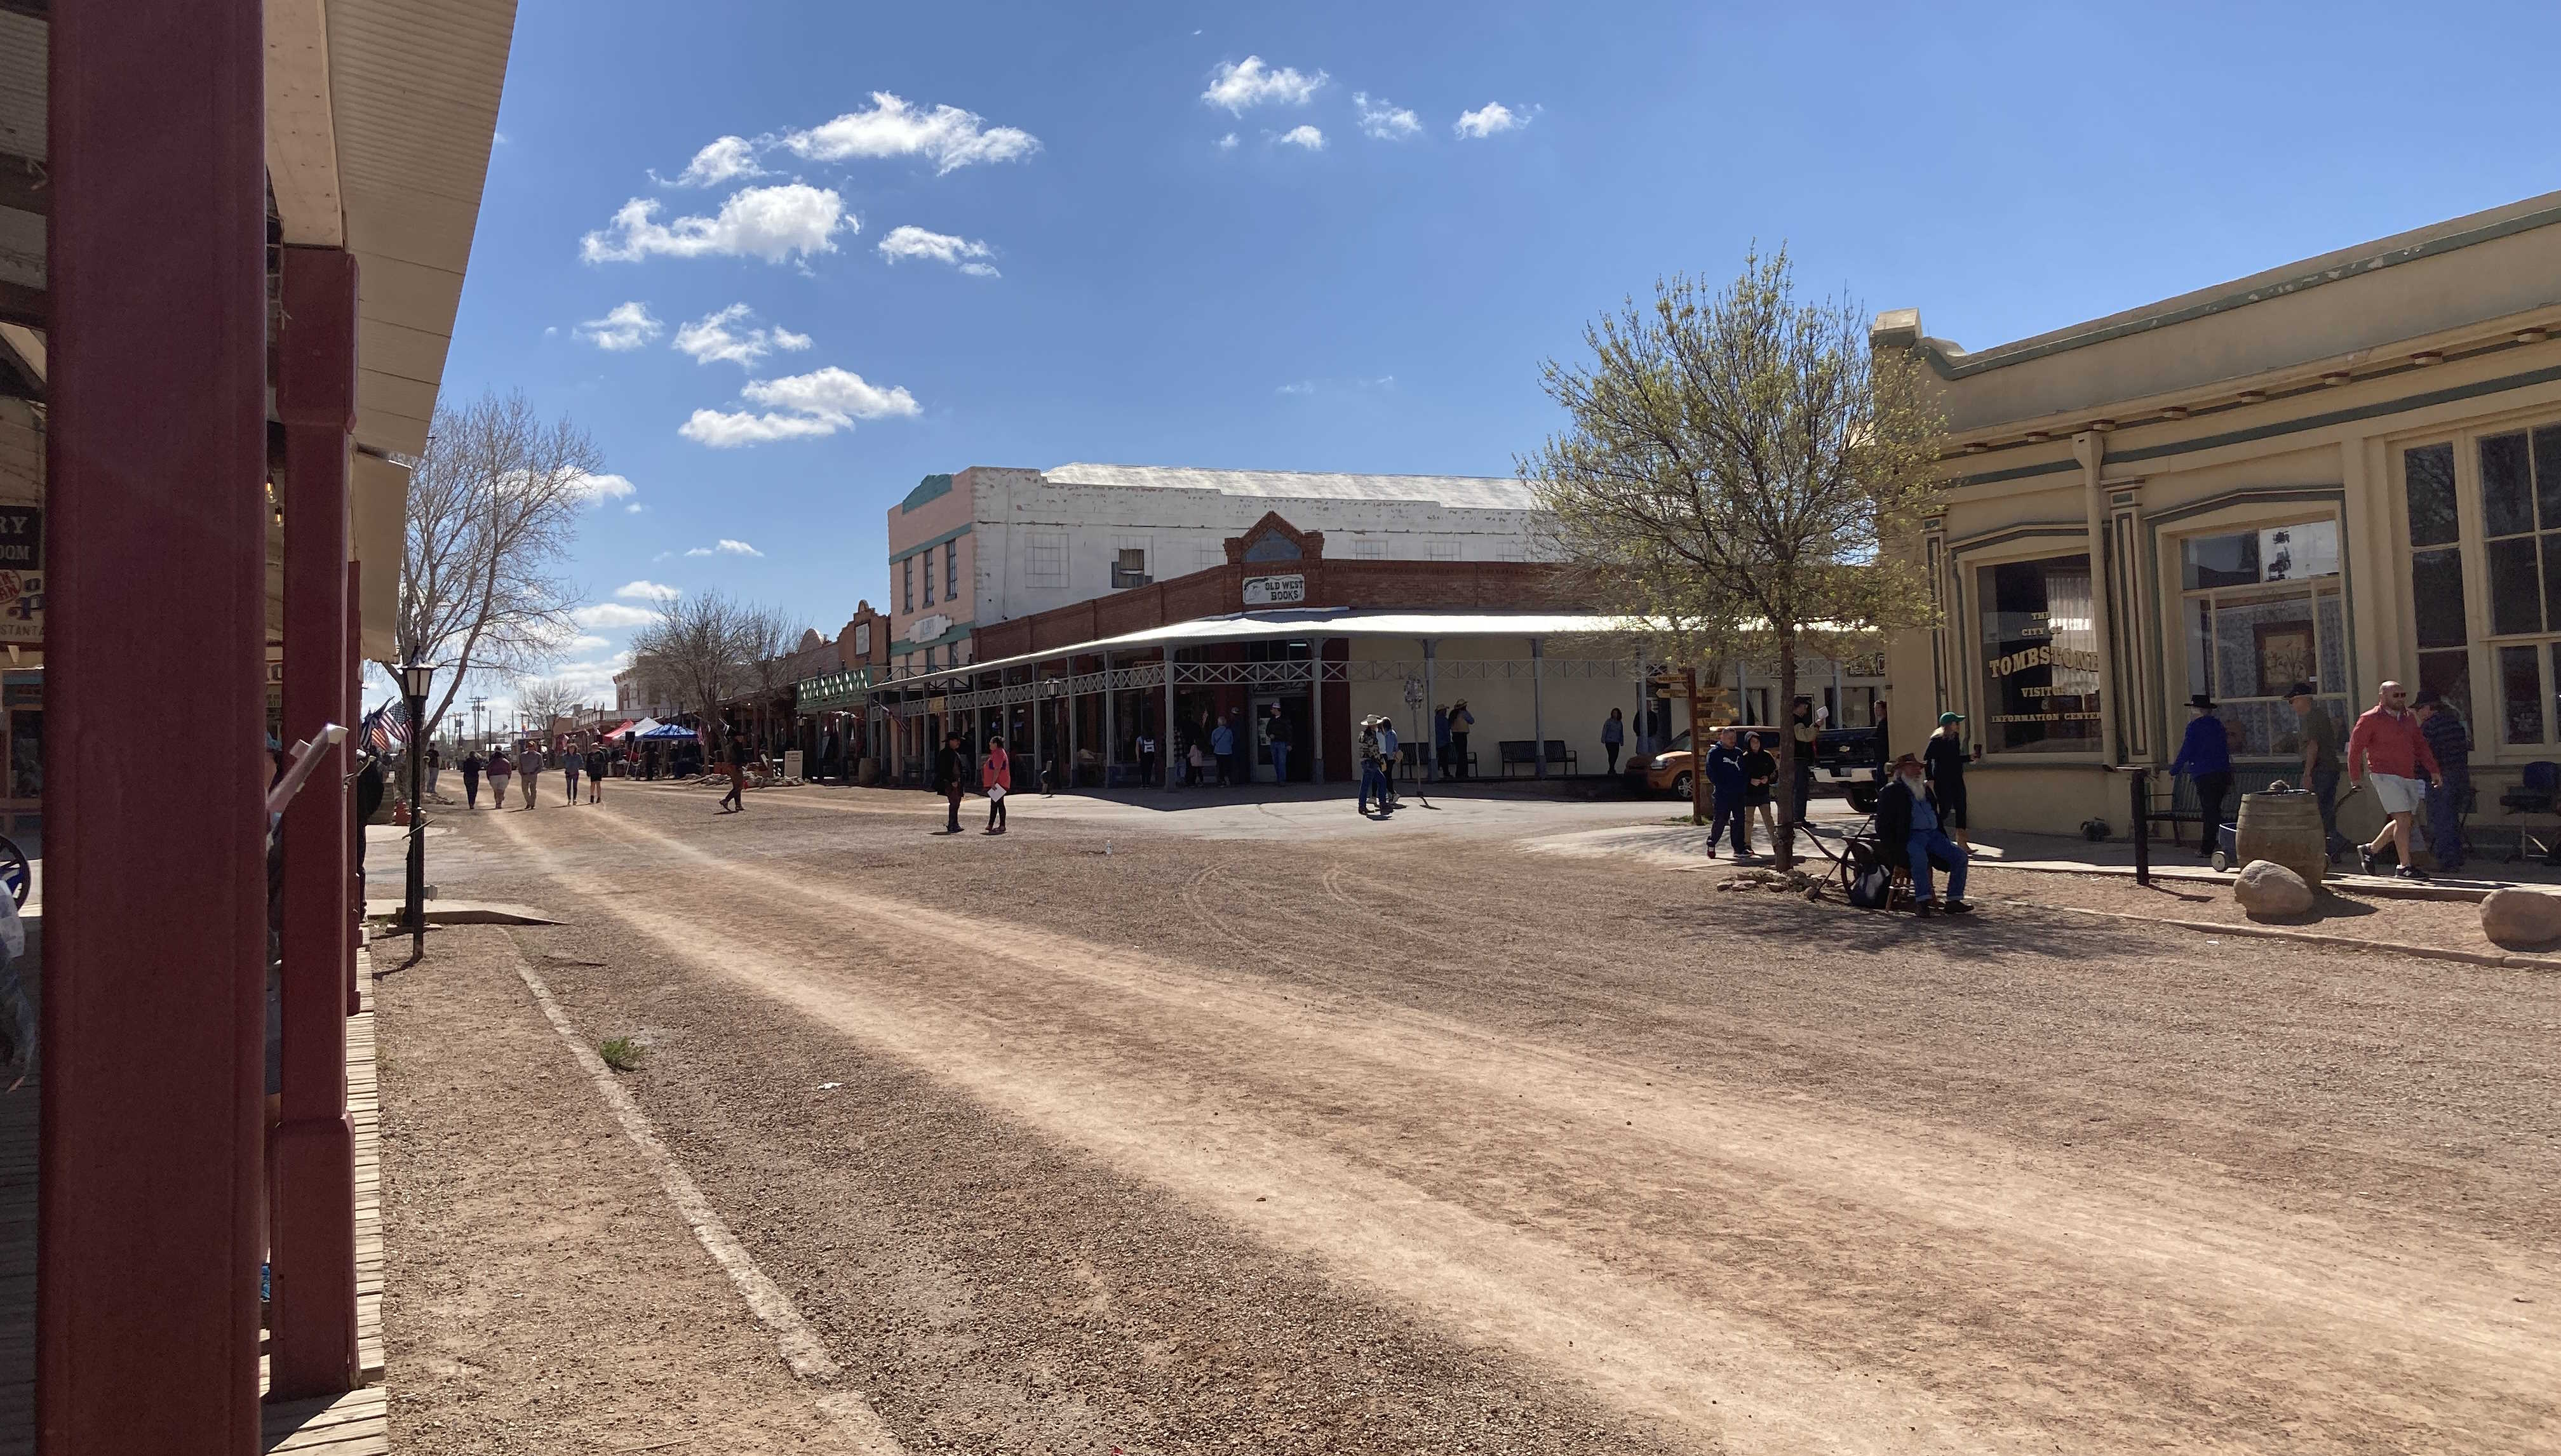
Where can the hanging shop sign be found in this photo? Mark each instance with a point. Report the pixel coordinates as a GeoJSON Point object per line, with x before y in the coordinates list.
{"type": "Point", "coordinates": [22, 573]}
{"type": "Point", "coordinates": [1276, 590]}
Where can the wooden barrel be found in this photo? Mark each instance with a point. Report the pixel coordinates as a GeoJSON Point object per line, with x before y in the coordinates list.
{"type": "Point", "coordinates": [2283, 826]}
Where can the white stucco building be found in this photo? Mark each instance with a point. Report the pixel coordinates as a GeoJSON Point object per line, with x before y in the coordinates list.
{"type": "Point", "coordinates": [989, 544]}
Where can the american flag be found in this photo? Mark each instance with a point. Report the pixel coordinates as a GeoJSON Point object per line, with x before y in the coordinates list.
{"type": "Point", "coordinates": [385, 727]}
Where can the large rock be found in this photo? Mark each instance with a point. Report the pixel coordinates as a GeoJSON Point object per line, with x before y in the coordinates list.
{"type": "Point", "coordinates": [2269, 890]}
{"type": "Point", "coordinates": [2518, 919]}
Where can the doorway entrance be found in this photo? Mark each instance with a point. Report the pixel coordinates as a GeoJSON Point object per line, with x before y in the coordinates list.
{"type": "Point", "coordinates": [1292, 708]}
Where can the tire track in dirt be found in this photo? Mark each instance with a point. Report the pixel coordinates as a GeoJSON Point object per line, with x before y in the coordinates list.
{"type": "Point", "coordinates": [2319, 1286]}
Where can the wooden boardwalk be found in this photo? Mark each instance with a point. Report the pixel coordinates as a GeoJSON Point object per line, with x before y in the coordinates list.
{"type": "Point", "coordinates": [353, 1425]}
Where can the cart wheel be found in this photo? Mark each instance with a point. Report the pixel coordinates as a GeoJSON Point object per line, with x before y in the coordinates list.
{"type": "Point", "coordinates": [2221, 863]}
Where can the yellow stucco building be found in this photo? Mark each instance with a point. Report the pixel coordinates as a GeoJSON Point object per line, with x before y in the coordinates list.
{"type": "Point", "coordinates": [2342, 470]}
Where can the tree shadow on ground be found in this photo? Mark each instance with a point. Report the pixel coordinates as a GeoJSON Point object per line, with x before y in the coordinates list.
{"type": "Point", "coordinates": [1990, 932]}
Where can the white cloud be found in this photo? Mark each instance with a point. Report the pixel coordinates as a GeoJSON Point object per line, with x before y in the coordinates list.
{"type": "Point", "coordinates": [722, 429]}
{"type": "Point", "coordinates": [715, 337]}
{"type": "Point", "coordinates": [799, 406]}
{"type": "Point", "coordinates": [624, 326]}
{"type": "Point", "coordinates": [910, 242]}
{"type": "Point", "coordinates": [647, 590]}
{"type": "Point", "coordinates": [1250, 83]}
{"type": "Point", "coordinates": [634, 509]}
{"type": "Point", "coordinates": [1302, 387]}
{"type": "Point", "coordinates": [586, 644]}
{"type": "Point", "coordinates": [1490, 118]}
{"type": "Point", "coordinates": [946, 135]}
{"type": "Point", "coordinates": [726, 547]}
{"type": "Point", "coordinates": [1303, 136]}
{"type": "Point", "coordinates": [1385, 119]}
{"type": "Point", "coordinates": [725, 160]}
{"type": "Point", "coordinates": [770, 222]}
{"type": "Point", "coordinates": [1227, 143]}
{"type": "Point", "coordinates": [597, 489]}
{"type": "Point", "coordinates": [609, 614]}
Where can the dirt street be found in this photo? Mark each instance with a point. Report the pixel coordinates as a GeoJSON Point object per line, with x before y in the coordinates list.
{"type": "Point", "coordinates": [1426, 1143]}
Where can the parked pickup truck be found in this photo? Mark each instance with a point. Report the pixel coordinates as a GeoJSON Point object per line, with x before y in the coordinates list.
{"type": "Point", "coordinates": [1844, 759]}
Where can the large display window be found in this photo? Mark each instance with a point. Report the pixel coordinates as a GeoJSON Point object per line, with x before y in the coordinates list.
{"type": "Point", "coordinates": [2261, 612]}
{"type": "Point", "coordinates": [2038, 654]}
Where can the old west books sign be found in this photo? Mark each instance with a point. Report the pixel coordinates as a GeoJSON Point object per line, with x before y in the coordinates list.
{"type": "Point", "coordinates": [1287, 590]}
{"type": "Point", "coordinates": [22, 573]}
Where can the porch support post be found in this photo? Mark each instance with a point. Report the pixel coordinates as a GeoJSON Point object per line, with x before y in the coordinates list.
{"type": "Point", "coordinates": [1430, 726]}
{"type": "Point", "coordinates": [2090, 447]}
{"type": "Point", "coordinates": [1538, 705]}
{"type": "Point", "coordinates": [1111, 722]}
{"type": "Point", "coordinates": [1166, 738]}
{"type": "Point", "coordinates": [312, 1182]}
{"type": "Point", "coordinates": [1316, 709]}
{"type": "Point", "coordinates": [148, 1235]}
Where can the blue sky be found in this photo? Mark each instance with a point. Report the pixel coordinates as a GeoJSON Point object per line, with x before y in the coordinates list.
{"type": "Point", "coordinates": [1089, 275]}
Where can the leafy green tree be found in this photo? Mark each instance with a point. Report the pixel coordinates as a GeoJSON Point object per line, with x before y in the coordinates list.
{"type": "Point", "coordinates": [1735, 470]}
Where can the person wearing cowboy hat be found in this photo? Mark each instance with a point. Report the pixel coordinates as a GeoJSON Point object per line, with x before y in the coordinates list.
{"type": "Point", "coordinates": [1943, 767]}
{"type": "Point", "coordinates": [1373, 766]}
{"type": "Point", "coordinates": [1908, 834]}
{"type": "Point", "coordinates": [2324, 745]}
{"type": "Point", "coordinates": [2205, 755]}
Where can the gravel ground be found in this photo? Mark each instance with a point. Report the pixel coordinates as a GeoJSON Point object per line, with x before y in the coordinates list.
{"type": "Point", "coordinates": [1430, 1144]}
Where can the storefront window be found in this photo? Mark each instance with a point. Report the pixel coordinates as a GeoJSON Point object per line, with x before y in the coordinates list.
{"type": "Point", "coordinates": [2263, 613]}
{"type": "Point", "coordinates": [2038, 651]}
{"type": "Point", "coordinates": [2520, 499]}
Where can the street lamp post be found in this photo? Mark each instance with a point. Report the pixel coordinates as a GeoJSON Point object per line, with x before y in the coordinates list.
{"type": "Point", "coordinates": [415, 678]}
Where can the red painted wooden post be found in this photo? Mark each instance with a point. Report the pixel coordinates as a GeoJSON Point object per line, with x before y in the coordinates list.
{"type": "Point", "coordinates": [312, 1318]}
{"type": "Point", "coordinates": [354, 909]}
{"type": "Point", "coordinates": [148, 1241]}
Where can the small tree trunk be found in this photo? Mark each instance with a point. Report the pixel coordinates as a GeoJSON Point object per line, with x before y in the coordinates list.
{"type": "Point", "coordinates": [1792, 812]}
{"type": "Point", "coordinates": [1697, 753]}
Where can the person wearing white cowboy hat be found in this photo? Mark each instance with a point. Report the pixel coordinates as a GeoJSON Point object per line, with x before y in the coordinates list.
{"type": "Point", "coordinates": [1373, 773]}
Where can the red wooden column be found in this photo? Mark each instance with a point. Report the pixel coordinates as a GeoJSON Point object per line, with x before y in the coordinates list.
{"type": "Point", "coordinates": [352, 914]}
{"type": "Point", "coordinates": [148, 1241]}
{"type": "Point", "coordinates": [312, 1182]}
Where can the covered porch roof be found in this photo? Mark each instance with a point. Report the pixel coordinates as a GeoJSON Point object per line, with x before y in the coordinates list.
{"type": "Point", "coordinates": [1287, 626]}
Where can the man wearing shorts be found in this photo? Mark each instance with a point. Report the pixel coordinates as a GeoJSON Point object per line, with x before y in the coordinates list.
{"type": "Point", "coordinates": [2388, 745]}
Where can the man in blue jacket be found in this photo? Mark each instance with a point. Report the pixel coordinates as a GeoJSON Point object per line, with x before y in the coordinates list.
{"type": "Point", "coordinates": [1908, 832]}
{"type": "Point", "coordinates": [1726, 779]}
{"type": "Point", "coordinates": [2206, 757]}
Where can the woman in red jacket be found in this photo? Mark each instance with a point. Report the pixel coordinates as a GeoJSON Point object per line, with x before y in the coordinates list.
{"type": "Point", "coordinates": [997, 774]}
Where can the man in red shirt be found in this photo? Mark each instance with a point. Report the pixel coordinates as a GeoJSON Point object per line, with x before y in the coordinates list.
{"type": "Point", "coordinates": [2387, 743]}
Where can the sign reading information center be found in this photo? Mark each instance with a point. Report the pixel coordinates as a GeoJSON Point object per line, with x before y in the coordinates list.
{"type": "Point", "coordinates": [1275, 590]}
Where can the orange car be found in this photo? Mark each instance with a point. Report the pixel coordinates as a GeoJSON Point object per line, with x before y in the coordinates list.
{"type": "Point", "coordinates": [1840, 760]}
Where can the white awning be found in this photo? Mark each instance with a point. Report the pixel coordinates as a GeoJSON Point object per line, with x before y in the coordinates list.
{"type": "Point", "coordinates": [1289, 626]}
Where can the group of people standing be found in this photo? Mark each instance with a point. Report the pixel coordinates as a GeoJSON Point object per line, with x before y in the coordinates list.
{"type": "Point", "coordinates": [526, 773]}
{"type": "Point", "coordinates": [2416, 756]}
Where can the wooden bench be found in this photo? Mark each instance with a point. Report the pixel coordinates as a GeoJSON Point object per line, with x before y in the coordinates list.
{"type": "Point", "coordinates": [1525, 752]}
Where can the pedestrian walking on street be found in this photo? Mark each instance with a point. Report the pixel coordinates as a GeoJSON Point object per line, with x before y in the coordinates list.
{"type": "Point", "coordinates": [1388, 750]}
{"type": "Point", "coordinates": [1614, 737]}
{"type": "Point", "coordinates": [1441, 737]}
{"type": "Point", "coordinates": [948, 771]}
{"type": "Point", "coordinates": [2452, 742]}
{"type": "Point", "coordinates": [1222, 747]}
{"type": "Point", "coordinates": [596, 762]}
{"type": "Point", "coordinates": [1907, 826]}
{"type": "Point", "coordinates": [472, 763]}
{"type": "Point", "coordinates": [2322, 745]}
{"type": "Point", "coordinates": [1275, 731]}
{"type": "Point", "coordinates": [1373, 778]}
{"type": "Point", "coordinates": [734, 762]}
{"type": "Point", "coordinates": [1943, 766]}
{"type": "Point", "coordinates": [1760, 784]}
{"type": "Point", "coordinates": [1148, 758]}
{"type": "Point", "coordinates": [1807, 733]}
{"type": "Point", "coordinates": [434, 767]}
{"type": "Point", "coordinates": [2387, 744]}
{"type": "Point", "coordinates": [573, 764]}
{"type": "Point", "coordinates": [499, 769]}
{"type": "Point", "coordinates": [1462, 722]}
{"type": "Point", "coordinates": [1199, 759]}
{"type": "Point", "coordinates": [1727, 787]}
{"type": "Point", "coordinates": [997, 776]}
{"type": "Point", "coordinates": [2205, 757]}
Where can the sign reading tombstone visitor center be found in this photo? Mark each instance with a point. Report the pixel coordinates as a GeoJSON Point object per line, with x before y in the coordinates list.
{"type": "Point", "coordinates": [1275, 590]}
{"type": "Point", "coordinates": [2040, 656]}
